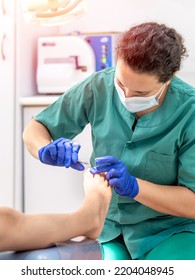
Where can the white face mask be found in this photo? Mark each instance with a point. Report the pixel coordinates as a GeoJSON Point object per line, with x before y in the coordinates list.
{"type": "Point", "coordinates": [138, 103]}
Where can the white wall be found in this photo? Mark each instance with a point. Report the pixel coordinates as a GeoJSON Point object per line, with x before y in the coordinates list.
{"type": "Point", "coordinates": [113, 15]}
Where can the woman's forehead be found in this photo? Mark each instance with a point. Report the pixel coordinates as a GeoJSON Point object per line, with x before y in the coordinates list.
{"type": "Point", "coordinates": [136, 81]}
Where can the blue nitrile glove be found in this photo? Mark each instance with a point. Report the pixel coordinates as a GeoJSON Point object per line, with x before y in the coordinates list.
{"type": "Point", "coordinates": [61, 152]}
{"type": "Point", "coordinates": [117, 175]}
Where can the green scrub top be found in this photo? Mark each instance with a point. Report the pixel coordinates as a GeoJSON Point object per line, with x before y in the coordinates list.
{"type": "Point", "coordinates": [161, 150]}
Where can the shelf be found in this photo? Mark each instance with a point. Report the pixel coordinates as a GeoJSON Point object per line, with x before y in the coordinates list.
{"type": "Point", "coordinates": [38, 100]}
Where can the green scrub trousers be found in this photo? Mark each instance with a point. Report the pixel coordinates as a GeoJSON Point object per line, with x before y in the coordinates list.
{"type": "Point", "coordinates": [180, 246]}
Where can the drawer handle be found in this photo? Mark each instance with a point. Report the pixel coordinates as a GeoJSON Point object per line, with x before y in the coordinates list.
{"type": "Point", "coordinates": [2, 47]}
{"type": "Point", "coordinates": [3, 7]}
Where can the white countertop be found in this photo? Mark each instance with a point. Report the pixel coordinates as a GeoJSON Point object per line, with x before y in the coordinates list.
{"type": "Point", "coordinates": [38, 100]}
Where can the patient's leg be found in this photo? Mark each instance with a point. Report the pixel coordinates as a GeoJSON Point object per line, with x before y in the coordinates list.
{"type": "Point", "coordinates": [20, 231]}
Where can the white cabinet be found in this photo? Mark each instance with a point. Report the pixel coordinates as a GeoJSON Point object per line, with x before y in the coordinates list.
{"type": "Point", "coordinates": [48, 188]}
{"type": "Point", "coordinates": [7, 98]}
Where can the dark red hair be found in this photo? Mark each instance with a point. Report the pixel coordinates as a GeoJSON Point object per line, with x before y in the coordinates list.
{"type": "Point", "coordinates": [152, 48]}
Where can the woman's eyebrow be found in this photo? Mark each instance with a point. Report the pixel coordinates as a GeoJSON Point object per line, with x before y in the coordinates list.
{"type": "Point", "coordinates": [136, 91]}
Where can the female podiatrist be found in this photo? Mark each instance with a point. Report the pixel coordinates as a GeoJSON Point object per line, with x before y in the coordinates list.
{"type": "Point", "coordinates": [143, 131]}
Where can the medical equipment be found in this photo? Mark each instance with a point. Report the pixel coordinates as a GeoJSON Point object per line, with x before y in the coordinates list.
{"type": "Point", "coordinates": [85, 163]}
{"type": "Point", "coordinates": [52, 12]}
{"type": "Point", "coordinates": [64, 61]}
{"type": "Point", "coordinates": [103, 45]}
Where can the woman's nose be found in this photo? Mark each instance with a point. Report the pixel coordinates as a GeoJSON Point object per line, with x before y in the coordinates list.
{"type": "Point", "coordinates": [128, 93]}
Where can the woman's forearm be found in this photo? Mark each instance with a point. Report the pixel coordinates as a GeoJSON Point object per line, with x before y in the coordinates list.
{"type": "Point", "coordinates": [172, 200]}
{"type": "Point", "coordinates": [35, 136]}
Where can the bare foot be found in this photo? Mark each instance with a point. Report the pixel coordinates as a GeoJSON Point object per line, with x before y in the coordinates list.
{"type": "Point", "coordinates": [98, 197]}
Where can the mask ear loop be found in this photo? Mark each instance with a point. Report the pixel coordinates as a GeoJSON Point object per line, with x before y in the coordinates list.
{"type": "Point", "coordinates": [161, 90]}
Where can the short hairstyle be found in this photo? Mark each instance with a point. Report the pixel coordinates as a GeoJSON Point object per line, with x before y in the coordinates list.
{"type": "Point", "coordinates": [152, 48]}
